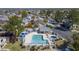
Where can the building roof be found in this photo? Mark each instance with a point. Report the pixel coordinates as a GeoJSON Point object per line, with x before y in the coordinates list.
{"type": "Point", "coordinates": [3, 18]}
{"type": "Point", "coordinates": [50, 20]}
{"type": "Point", "coordinates": [44, 29]}
{"type": "Point", "coordinates": [27, 19]}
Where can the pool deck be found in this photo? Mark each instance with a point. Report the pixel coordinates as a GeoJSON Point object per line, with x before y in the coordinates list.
{"type": "Point", "coordinates": [28, 39]}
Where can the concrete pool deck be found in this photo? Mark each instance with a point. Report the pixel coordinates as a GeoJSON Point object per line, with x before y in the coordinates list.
{"type": "Point", "coordinates": [28, 38]}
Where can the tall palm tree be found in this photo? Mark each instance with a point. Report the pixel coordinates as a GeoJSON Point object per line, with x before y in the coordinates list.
{"type": "Point", "coordinates": [14, 26]}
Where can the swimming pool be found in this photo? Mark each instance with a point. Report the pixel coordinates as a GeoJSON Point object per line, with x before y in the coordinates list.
{"type": "Point", "coordinates": [38, 39]}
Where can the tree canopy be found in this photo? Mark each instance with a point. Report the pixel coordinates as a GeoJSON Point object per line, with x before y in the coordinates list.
{"type": "Point", "coordinates": [74, 15]}
{"type": "Point", "coordinates": [75, 44]}
{"type": "Point", "coordinates": [24, 13]}
{"type": "Point", "coordinates": [14, 24]}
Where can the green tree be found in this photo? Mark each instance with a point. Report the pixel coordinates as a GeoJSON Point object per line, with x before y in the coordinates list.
{"type": "Point", "coordinates": [75, 44]}
{"type": "Point", "coordinates": [45, 20]}
{"type": "Point", "coordinates": [74, 15]}
{"type": "Point", "coordinates": [14, 25]}
{"type": "Point", "coordinates": [58, 16]}
{"type": "Point", "coordinates": [24, 13]}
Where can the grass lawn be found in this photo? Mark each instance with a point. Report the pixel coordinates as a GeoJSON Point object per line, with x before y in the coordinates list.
{"type": "Point", "coordinates": [14, 47]}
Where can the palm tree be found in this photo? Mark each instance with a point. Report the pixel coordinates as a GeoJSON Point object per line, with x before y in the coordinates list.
{"type": "Point", "coordinates": [14, 26]}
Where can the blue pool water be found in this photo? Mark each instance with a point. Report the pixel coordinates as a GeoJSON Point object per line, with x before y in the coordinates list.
{"type": "Point", "coordinates": [38, 39]}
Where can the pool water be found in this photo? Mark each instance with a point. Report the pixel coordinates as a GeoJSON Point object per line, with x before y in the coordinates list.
{"type": "Point", "coordinates": [38, 39]}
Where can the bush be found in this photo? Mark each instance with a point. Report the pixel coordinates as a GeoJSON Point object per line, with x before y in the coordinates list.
{"type": "Point", "coordinates": [49, 26]}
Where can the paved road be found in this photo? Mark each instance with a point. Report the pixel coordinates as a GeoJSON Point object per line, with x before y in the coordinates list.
{"type": "Point", "coordinates": [65, 34]}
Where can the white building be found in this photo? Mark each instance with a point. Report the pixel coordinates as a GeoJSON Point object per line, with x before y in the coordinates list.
{"type": "Point", "coordinates": [3, 19]}
{"type": "Point", "coordinates": [27, 19]}
{"type": "Point", "coordinates": [2, 42]}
